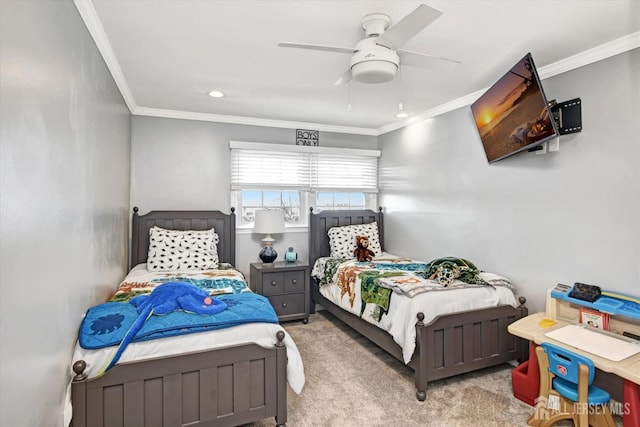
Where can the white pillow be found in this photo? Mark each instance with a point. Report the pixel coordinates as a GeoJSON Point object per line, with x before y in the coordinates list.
{"type": "Point", "coordinates": [342, 240]}
{"type": "Point", "coordinates": [175, 250]}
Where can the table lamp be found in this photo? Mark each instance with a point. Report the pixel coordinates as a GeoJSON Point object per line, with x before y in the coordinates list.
{"type": "Point", "coordinates": [268, 222]}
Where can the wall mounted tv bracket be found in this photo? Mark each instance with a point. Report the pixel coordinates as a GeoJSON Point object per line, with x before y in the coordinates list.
{"type": "Point", "coordinates": [567, 115]}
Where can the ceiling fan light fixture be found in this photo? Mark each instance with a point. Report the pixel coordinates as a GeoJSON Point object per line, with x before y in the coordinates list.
{"type": "Point", "coordinates": [374, 71]}
{"type": "Point", "coordinates": [372, 63]}
{"type": "Point", "coordinates": [216, 94]}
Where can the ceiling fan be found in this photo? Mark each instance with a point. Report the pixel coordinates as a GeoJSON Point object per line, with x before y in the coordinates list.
{"type": "Point", "coordinates": [377, 57]}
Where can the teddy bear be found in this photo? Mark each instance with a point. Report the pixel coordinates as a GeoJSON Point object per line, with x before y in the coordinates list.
{"type": "Point", "coordinates": [362, 251]}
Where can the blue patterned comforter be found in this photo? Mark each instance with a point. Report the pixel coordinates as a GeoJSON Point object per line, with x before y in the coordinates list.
{"type": "Point", "coordinates": [106, 324]}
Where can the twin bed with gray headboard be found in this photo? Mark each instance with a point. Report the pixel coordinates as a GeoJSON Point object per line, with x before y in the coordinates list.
{"type": "Point", "coordinates": [449, 345]}
{"type": "Point", "coordinates": [224, 386]}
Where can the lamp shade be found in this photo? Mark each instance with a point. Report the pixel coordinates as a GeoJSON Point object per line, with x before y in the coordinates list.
{"type": "Point", "coordinates": [269, 221]}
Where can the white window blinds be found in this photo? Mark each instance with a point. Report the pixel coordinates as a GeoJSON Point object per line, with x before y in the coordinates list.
{"type": "Point", "coordinates": [276, 166]}
{"type": "Point", "coordinates": [344, 173]}
{"type": "Point", "coordinates": [269, 169]}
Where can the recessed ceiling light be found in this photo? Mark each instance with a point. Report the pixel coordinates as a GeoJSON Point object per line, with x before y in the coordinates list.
{"type": "Point", "coordinates": [216, 94]}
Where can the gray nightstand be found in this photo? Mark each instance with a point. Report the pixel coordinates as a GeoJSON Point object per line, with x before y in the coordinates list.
{"type": "Point", "coordinates": [286, 285]}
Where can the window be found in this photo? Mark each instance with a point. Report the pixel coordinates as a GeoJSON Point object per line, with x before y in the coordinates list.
{"type": "Point", "coordinates": [293, 178]}
{"type": "Point", "coordinates": [289, 201]}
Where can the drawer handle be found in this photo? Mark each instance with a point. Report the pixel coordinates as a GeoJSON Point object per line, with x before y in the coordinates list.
{"type": "Point", "coordinates": [273, 283]}
{"type": "Point", "coordinates": [294, 281]}
{"type": "Point", "coordinates": [284, 305]}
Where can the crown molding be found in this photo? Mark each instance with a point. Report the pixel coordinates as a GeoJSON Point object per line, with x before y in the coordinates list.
{"type": "Point", "coordinates": [250, 121]}
{"type": "Point", "coordinates": [598, 53]}
{"type": "Point", "coordinates": [93, 24]}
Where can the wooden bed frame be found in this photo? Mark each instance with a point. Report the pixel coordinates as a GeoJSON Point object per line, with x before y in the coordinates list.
{"type": "Point", "coordinates": [223, 387]}
{"type": "Point", "coordinates": [450, 344]}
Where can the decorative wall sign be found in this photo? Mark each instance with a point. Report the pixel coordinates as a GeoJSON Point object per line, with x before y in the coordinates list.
{"type": "Point", "coordinates": [307, 137]}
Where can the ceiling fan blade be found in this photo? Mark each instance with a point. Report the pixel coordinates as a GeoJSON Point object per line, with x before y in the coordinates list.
{"type": "Point", "coordinates": [338, 49]}
{"type": "Point", "coordinates": [398, 34]}
{"type": "Point", "coordinates": [344, 79]}
{"type": "Point", "coordinates": [424, 60]}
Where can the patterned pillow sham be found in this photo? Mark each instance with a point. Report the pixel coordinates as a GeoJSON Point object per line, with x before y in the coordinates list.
{"type": "Point", "coordinates": [177, 250]}
{"type": "Point", "coordinates": [342, 240]}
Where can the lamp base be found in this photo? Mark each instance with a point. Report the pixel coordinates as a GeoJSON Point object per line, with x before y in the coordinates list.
{"type": "Point", "coordinates": [268, 254]}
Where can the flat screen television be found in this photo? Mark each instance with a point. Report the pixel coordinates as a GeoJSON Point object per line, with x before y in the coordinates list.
{"type": "Point", "coordinates": [513, 115]}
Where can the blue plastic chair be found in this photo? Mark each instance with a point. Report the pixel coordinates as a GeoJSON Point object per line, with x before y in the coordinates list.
{"type": "Point", "coordinates": [566, 379]}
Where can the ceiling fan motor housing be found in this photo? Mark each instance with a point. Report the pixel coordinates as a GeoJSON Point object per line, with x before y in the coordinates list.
{"type": "Point", "coordinates": [374, 24]}
{"type": "Point", "coordinates": [372, 63]}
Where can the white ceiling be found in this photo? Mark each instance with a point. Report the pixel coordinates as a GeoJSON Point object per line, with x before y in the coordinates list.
{"type": "Point", "coordinates": [166, 55]}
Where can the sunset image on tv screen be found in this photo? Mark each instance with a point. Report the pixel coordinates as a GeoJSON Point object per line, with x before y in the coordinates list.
{"type": "Point", "coordinates": [512, 115]}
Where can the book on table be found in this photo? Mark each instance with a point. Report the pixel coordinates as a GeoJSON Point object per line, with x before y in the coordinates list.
{"type": "Point", "coordinates": [594, 318]}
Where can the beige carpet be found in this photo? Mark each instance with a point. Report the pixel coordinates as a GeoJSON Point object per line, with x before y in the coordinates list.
{"type": "Point", "coordinates": [351, 382]}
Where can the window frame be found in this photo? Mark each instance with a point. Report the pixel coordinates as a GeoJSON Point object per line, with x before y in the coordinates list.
{"type": "Point", "coordinates": [308, 193]}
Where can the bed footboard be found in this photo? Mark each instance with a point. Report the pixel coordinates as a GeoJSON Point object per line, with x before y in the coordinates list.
{"type": "Point", "coordinates": [464, 342]}
{"type": "Point", "coordinates": [449, 345]}
{"type": "Point", "coordinates": [223, 387]}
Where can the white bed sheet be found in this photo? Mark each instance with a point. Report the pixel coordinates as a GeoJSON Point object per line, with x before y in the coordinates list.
{"type": "Point", "coordinates": [401, 319]}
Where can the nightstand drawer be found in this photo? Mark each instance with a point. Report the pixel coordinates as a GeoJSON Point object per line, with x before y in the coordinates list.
{"type": "Point", "coordinates": [294, 281]}
{"type": "Point", "coordinates": [288, 304]}
{"type": "Point", "coordinates": [272, 283]}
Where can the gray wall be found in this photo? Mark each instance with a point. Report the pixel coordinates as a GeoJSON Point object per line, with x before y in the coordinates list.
{"type": "Point", "coordinates": [65, 147]}
{"type": "Point", "coordinates": [183, 164]}
{"type": "Point", "coordinates": [566, 216]}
